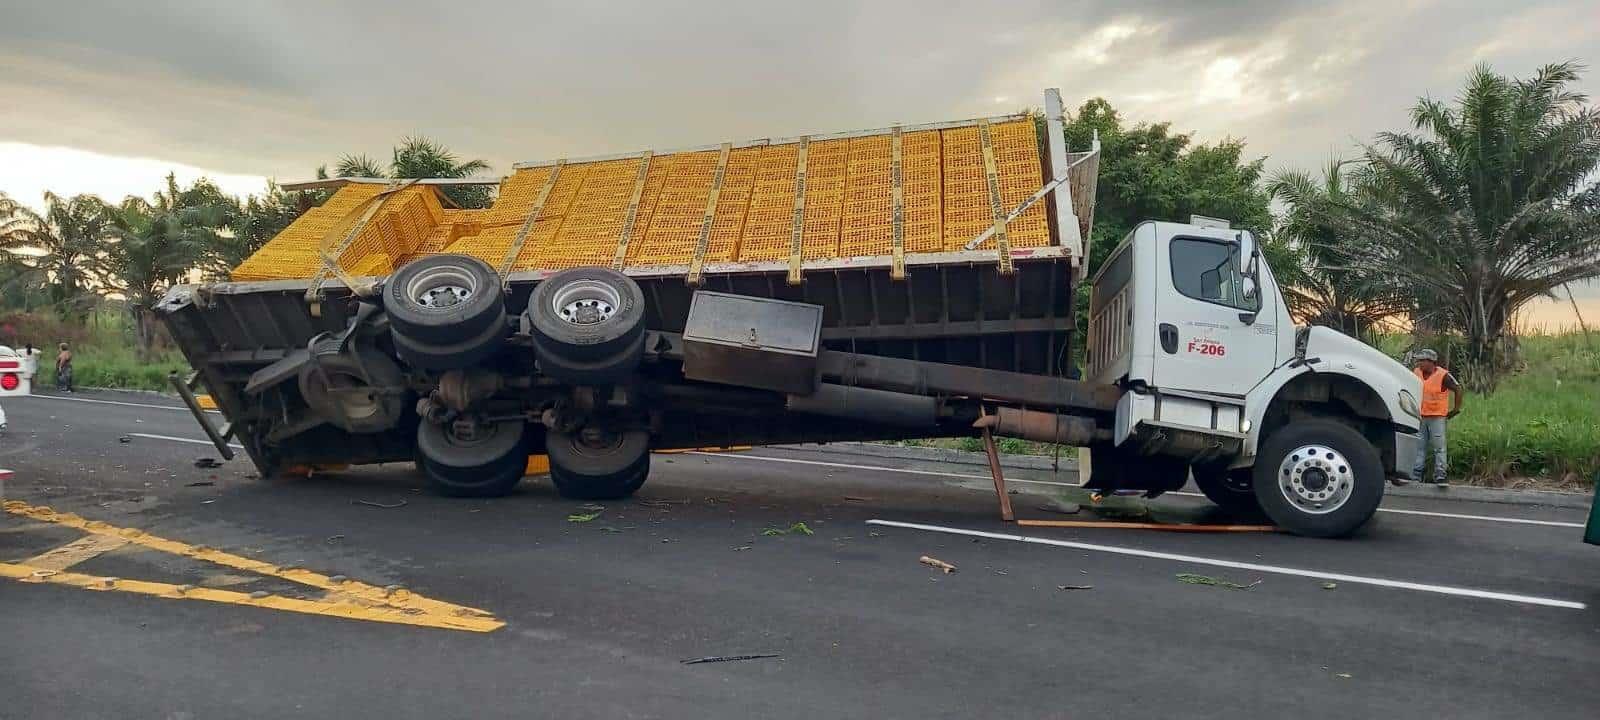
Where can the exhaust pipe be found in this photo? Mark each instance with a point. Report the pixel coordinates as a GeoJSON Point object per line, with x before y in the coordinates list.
{"type": "Point", "coordinates": [1044, 427]}
{"type": "Point", "coordinates": [876, 406]}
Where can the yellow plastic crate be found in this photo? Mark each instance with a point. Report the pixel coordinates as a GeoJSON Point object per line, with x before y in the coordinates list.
{"type": "Point", "coordinates": [848, 208]}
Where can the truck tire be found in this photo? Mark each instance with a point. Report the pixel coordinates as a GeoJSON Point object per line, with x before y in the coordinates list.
{"type": "Point", "coordinates": [607, 370]}
{"type": "Point", "coordinates": [1319, 478]}
{"type": "Point", "coordinates": [587, 313]}
{"type": "Point", "coordinates": [360, 390]}
{"type": "Point", "coordinates": [451, 356]}
{"type": "Point", "coordinates": [444, 299]}
{"type": "Point", "coordinates": [589, 465]}
{"type": "Point", "coordinates": [1231, 490]}
{"type": "Point", "coordinates": [490, 465]}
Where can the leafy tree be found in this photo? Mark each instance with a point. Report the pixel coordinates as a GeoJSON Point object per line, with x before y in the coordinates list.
{"type": "Point", "coordinates": [157, 243]}
{"type": "Point", "coordinates": [1487, 206]}
{"type": "Point", "coordinates": [56, 249]}
{"type": "Point", "coordinates": [419, 157]}
{"type": "Point", "coordinates": [1324, 291]}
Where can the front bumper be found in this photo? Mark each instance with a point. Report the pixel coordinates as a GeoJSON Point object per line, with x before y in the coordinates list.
{"type": "Point", "coordinates": [1405, 449]}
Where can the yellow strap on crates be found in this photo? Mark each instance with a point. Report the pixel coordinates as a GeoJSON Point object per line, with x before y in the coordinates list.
{"type": "Point", "coordinates": [996, 204]}
{"type": "Point", "coordinates": [528, 223]}
{"type": "Point", "coordinates": [703, 243]}
{"type": "Point", "coordinates": [897, 269]}
{"type": "Point", "coordinates": [797, 230]}
{"type": "Point", "coordinates": [367, 210]}
{"type": "Point", "coordinates": [626, 236]}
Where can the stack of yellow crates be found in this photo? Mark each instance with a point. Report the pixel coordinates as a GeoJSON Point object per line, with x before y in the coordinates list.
{"type": "Point", "coordinates": [848, 208]}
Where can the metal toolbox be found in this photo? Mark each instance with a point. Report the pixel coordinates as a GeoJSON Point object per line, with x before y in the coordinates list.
{"type": "Point", "coordinates": [751, 341]}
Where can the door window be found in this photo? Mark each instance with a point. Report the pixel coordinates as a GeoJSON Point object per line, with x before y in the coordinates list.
{"type": "Point", "coordinates": [1208, 270]}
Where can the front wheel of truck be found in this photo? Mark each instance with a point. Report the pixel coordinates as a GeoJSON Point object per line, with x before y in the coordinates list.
{"type": "Point", "coordinates": [598, 464]}
{"type": "Point", "coordinates": [1319, 478]}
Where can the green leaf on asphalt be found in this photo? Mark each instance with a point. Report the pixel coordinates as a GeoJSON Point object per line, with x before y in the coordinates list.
{"type": "Point", "coordinates": [1194, 579]}
{"type": "Point", "coordinates": [582, 517]}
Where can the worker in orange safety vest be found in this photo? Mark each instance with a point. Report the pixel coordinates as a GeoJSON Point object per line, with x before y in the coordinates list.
{"type": "Point", "coordinates": [1441, 400]}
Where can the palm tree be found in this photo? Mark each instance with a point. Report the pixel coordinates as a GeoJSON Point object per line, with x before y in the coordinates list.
{"type": "Point", "coordinates": [419, 157]}
{"type": "Point", "coordinates": [1322, 290]}
{"type": "Point", "coordinates": [56, 248]}
{"type": "Point", "coordinates": [154, 244]}
{"type": "Point", "coordinates": [1482, 209]}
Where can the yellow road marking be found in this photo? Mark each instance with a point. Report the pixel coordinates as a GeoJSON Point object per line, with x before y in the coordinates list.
{"type": "Point", "coordinates": [345, 598]}
{"type": "Point", "coordinates": [77, 551]}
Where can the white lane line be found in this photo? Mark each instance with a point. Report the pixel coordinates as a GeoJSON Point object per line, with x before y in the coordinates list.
{"type": "Point", "coordinates": [880, 468]}
{"type": "Point", "coordinates": [1236, 565]}
{"type": "Point", "coordinates": [1458, 516]}
{"type": "Point", "coordinates": [179, 408]}
{"type": "Point", "coordinates": [152, 436]}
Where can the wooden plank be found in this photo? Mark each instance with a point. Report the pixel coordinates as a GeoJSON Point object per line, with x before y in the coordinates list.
{"type": "Point", "coordinates": [1145, 526]}
{"type": "Point", "coordinates": [797, 227]}
{"type": "Point", "coordinates": [703, 243]}
{"type": "Point", "coordinates": [996, 203]}
{"type": "Point", "coordinates": [626, 236]}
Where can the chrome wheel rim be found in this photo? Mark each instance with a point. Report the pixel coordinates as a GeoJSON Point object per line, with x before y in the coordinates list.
{"type": "Point", "coordinates": [442, 288]}
{"type": "Point", "coordinates": [1316, 479]}
{"type": "Point", "coordinates": [586, 302]}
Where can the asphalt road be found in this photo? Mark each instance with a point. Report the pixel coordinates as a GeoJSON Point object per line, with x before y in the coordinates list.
{"type": "Point", "coordinates": [599, 615]}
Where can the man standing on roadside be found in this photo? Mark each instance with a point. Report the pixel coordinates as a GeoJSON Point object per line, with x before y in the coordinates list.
{"type": "Point", "coordinates": [1441, 400]}
{"type": "Point", "coordinates": [64, 369]}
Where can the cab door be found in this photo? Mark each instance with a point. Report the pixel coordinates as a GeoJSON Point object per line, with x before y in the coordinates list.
{"type": "Point", "coordinates": [1213, 336]}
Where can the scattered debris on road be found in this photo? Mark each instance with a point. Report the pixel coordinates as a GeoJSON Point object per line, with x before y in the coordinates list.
{"type": "Point", "coordinates": [124, 439]}
{"type": "Point", "coordinates": [937, 563]}
{"type": "Point", "coordinates": [1329, 585]}
{"type": "Point", "coordinates": [386, 506]}
{"type": "Point", "coordinates": [582, 517]}
{"type": "Point", "coordinates": [1194, 579]}
{"type": "Point", "coordinates": [661, 504]}
{"type": "Point", "coordinates": [331, 539]}
{"type": "Point", "coordinates": [1074, 587]}
{"type": "Point", "coordinates": [742, 548]}
{"type": "Point", "coordinates": [799, 527]}
{"type": "Point", "coordinates": [201, 483]}
{"type": "Point", "coordinates": [729, 658]}
{"type": "Point", "coordinates": [1061, 507]}
{"type": "Point", "coordinates": [856, 498]}
{"type": "Point", "coordinates": [207, 463]}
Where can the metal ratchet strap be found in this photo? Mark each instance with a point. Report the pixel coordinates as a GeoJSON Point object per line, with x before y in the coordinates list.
{"type": "Point", "coordinates": [703, 243]}
{"type": "Point", "coordinates": [797, 229]}
{"type": "Point", "coordinates": [996, 205]}
{"type": "Point", "coordinates": [528, 223]}
{"type": "Point", "coordinates": [330, 256]}
{"type": "Point", "coordinates": [897, 270]}
{"type": "Point", "coordinates": [626, 236]}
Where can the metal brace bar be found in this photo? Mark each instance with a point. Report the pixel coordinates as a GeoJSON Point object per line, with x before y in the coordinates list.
{"type": "Point", "coordinates": [527, 225]}
{"type": "Point", "coordinates": [1015, 213]}
{"type": "Point", "coordinates": [703, 244]}
{"type": "Point", "coordinates": [218, 439]}
{"type": "Point", "coordinates": [797, 230]}
{"type": "Point", "coordinates": [996, 205]}
{"type": "Point", "coordinates": [897, 269]}
{"type": "Point", "coordinates": [633, 213]}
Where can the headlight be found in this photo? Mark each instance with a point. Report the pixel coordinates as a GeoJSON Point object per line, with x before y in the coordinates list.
{"type": "Point", "coordinates": [1408, 403]}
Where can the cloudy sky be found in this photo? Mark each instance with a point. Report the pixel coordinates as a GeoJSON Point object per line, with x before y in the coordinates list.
{"type": "Point", "coordinates": [106, 97]}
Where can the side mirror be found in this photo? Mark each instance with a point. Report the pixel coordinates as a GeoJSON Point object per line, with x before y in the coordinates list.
{"type": "Point", "coordinates": [1247, 252]}
{"type": "Point", "coordinates": [1249, 287]}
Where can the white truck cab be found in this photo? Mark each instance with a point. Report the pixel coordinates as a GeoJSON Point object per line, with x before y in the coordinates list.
{"type": "Point", "coordinates": [1302, 423]}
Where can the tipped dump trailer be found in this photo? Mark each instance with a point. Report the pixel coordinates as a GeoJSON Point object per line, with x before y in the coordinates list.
{"type": "Point", "coordinates": [906, 282]}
